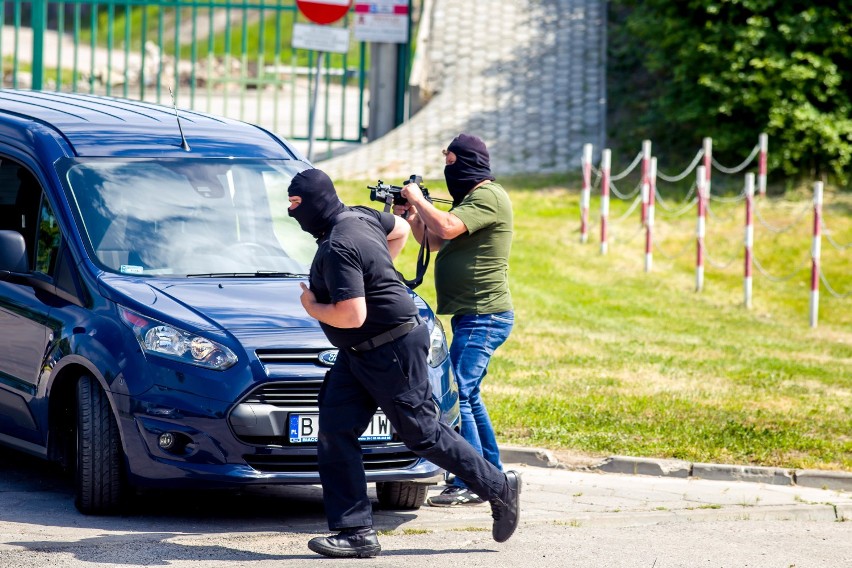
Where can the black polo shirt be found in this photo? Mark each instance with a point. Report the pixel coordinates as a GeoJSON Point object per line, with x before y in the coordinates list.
{"type": "Point", "coordinates": [353, 261]}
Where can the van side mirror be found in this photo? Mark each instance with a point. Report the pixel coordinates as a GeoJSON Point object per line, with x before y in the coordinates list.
{"type": "Point", "coordinates": [13, 252]}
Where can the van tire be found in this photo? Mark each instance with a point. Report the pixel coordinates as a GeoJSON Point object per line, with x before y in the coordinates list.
{"type": "Point", "coordinates": [99, 485]}
{"type": "Point", "coordinates": [401, 495]}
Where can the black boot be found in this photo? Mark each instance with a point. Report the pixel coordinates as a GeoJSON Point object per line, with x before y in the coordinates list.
{"type": "Point", "coordinates": [360, 542]}
{"type": "Point", "coordinates": [506, 509]}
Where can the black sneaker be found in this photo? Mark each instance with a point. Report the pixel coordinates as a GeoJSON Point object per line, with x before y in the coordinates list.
{"type": "Point", "coordinates": [453, 496]}
{"type": "Point", "coordinates": [506, 509]}
{"type": "Point", "coordinates": [349, 543]}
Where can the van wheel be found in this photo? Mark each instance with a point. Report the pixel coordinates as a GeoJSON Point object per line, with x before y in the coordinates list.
{"type": "Point", "coordinates": [99, 484]}
{"type": "Point", "coordinates": [401, 495]}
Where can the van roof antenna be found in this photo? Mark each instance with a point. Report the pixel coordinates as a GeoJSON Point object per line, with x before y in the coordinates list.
{"type": "Point", "coordinates": [183, 143]}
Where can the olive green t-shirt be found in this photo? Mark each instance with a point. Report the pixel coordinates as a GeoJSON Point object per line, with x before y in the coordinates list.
{"type": "Point", "coordinates": [472, 270]}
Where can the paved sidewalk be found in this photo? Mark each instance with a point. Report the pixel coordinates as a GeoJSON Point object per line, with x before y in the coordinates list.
{"type": "Point", "coordinates": [569, 517]}
{"type": "Point", "coordinates": [592, 499]}
{"type": "Point", "coordinates": [611, 494]}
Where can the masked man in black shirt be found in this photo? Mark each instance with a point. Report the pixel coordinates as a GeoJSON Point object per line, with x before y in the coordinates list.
{"type": "Point", "coordinates": [365, 310]}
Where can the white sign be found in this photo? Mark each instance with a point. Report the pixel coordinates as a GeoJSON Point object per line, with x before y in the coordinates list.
{"type": "Point", "coordinates": [381, 21]}
{"type": "Point", "coordinates": [321, 38]}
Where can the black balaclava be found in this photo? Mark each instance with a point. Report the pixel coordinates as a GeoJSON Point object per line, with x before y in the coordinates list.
{"type": "Point", "coordinates": [472, 166]}
{"type": "Point", "coordinates": [320, 204]}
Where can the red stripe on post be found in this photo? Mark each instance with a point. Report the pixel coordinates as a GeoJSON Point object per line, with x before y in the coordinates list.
{"type": "Point", "coordinates": [815, 260]}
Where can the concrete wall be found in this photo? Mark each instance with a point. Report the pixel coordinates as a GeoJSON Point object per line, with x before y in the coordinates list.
{"type": "Point", "coordinates": [525, 75]}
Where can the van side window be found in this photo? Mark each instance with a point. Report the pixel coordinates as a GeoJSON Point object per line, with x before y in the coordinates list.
{"type": "Point", "coordinates": [48, 240]}
{"type": "Point", "coordinates": [20, 197]}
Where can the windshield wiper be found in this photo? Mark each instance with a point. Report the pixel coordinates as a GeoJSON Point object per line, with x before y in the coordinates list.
{"type": "Point", "coordinates": [274, 274]}
{"type": "Point", "coordinates": [258, 274]}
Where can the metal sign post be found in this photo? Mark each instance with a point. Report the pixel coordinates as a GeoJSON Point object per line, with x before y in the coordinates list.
{"type": "Point", "coordinates": [321, 38]}
{"type": "Point", "coordinates": [312, 115]}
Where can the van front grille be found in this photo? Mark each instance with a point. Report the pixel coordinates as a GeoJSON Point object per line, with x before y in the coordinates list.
{"type": "Point", "coordinates": [267, 356]}
{"type": "Point", "coordinates": [293, 394]}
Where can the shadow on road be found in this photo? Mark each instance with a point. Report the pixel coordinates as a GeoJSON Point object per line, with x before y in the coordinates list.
{"type": "Point", "coordinates": [150, 549]}
{"type": "Point", "coordinates": [33, 491]}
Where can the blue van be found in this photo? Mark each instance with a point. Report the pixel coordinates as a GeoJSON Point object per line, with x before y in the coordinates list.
{"type": "Point", "coordinates": [151, 333]}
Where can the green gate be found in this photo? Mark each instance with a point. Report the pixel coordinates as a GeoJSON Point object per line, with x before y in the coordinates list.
{"type": "Point", "coordinates": [227, 57]}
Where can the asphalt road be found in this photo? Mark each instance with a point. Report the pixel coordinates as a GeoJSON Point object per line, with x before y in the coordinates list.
{"type": "Point", "coordinates": [569, 518]}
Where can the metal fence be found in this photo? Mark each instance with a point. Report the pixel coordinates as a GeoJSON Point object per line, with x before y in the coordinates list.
{"type": "Point", "coordinates": [227, 57]}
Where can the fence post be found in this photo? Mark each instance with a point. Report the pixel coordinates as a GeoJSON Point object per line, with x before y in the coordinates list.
{"type": "Point", "coordinates": [749, 236]}
{"type": "Point", "coordinates": [645, 190]}
{"type": "Point", "coordinates": [815, 253]}
{"type": "Point", "coordinates": [39, 23]}
{"type": "Point", "coordinates": [701, 186]}
{"type": "Point", "coordinates": [708, 161]}
{"type": "Point", "coordinates": [649, 220]}
{"type": "Point", "coordinates": [606, 163]}
{"type": "Point", "coordinates": [763, 141]}
{"type": "Point", "coordinates": [585, 196]}
{"type": "Point", "coordinates": [646, 165]}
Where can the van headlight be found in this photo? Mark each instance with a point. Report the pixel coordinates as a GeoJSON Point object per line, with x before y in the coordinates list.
{"type": "Point", "coordinates": [174, 343]}
{"type": "Point", "coordinates": [437, 345]}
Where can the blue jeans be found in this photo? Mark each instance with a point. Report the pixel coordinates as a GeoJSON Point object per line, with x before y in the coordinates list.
{"type": "Point", "coordinates": [475, 338]}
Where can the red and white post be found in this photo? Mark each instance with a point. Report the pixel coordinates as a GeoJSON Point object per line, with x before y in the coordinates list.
{"type": "Point", "coordinates": [701, 182]}
{"type": "Point", "coordinates": [749, 237]}
{"type": "Point", "coordinates": [586, 193]}
{"type": "Point", "coordinates": [645, 190]}
{"type": "Point", "coordinates": [708, 162]}
{"type": "Point", "coordinates": [763, 142]}
{"type": "Point", "coordinates": [815, 253]}
{"type": "Point", "coordinates": [649, 220]}
{"type": "Point", "coordinates": [646, 165]}
{"type": "Point", "coordinates": [606, 164]}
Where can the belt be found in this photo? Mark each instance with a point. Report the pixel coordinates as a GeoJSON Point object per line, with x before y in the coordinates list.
{"type": "Point", "coordinates": [388, 336]}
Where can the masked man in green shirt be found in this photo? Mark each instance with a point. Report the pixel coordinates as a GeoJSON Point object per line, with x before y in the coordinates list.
{"type": "Point", "coordinates": [473, 241]}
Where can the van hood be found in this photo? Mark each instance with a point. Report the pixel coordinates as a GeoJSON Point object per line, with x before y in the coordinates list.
{"type": "Point", "coordinates": [248, 309]}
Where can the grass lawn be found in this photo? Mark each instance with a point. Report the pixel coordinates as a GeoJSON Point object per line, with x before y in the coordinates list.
{"type": "Point", "coordinates": [608, 359]}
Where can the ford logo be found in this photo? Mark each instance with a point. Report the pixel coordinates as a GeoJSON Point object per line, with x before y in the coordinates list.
{"type": "Point", "coordinates": [328, 358]}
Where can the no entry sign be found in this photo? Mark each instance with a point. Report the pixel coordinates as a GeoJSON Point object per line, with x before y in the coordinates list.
{"type": "Point", "coordinates": [323, 11]}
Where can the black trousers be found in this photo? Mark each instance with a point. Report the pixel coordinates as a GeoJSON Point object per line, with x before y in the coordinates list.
{"type": "Point", "coordinates": [393, 377]}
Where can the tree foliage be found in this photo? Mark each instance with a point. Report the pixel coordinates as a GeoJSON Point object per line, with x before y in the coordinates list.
{"type": "Point", "coordinates": [731, 69]}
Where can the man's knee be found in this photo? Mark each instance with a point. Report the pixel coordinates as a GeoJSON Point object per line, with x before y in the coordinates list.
{"type": "Point", "coordinates": [417, 417]}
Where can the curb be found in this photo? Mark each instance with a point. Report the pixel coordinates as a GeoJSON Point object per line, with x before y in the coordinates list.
{"type": "Point", "coordinates": [538, 457]}
{"type": "Point", "coordinates": [819, 479]}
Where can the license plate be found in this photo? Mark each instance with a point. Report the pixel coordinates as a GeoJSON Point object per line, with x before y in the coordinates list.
{"type": "Point", "coordinates": [304, 429]}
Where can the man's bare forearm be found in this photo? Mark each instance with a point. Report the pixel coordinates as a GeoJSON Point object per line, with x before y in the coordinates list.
{"type": "Point", "coordinates": [443, 225]}
{"type": "Point", "coordinates": [345, 314]}
{"type": "Point", "coordinates": [398, 237]}
{"type": "Point", "coordinates": [418, 229]}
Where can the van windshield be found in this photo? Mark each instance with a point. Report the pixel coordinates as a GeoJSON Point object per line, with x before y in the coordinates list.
{"type": "Point", "coordinates": [188, 217]}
